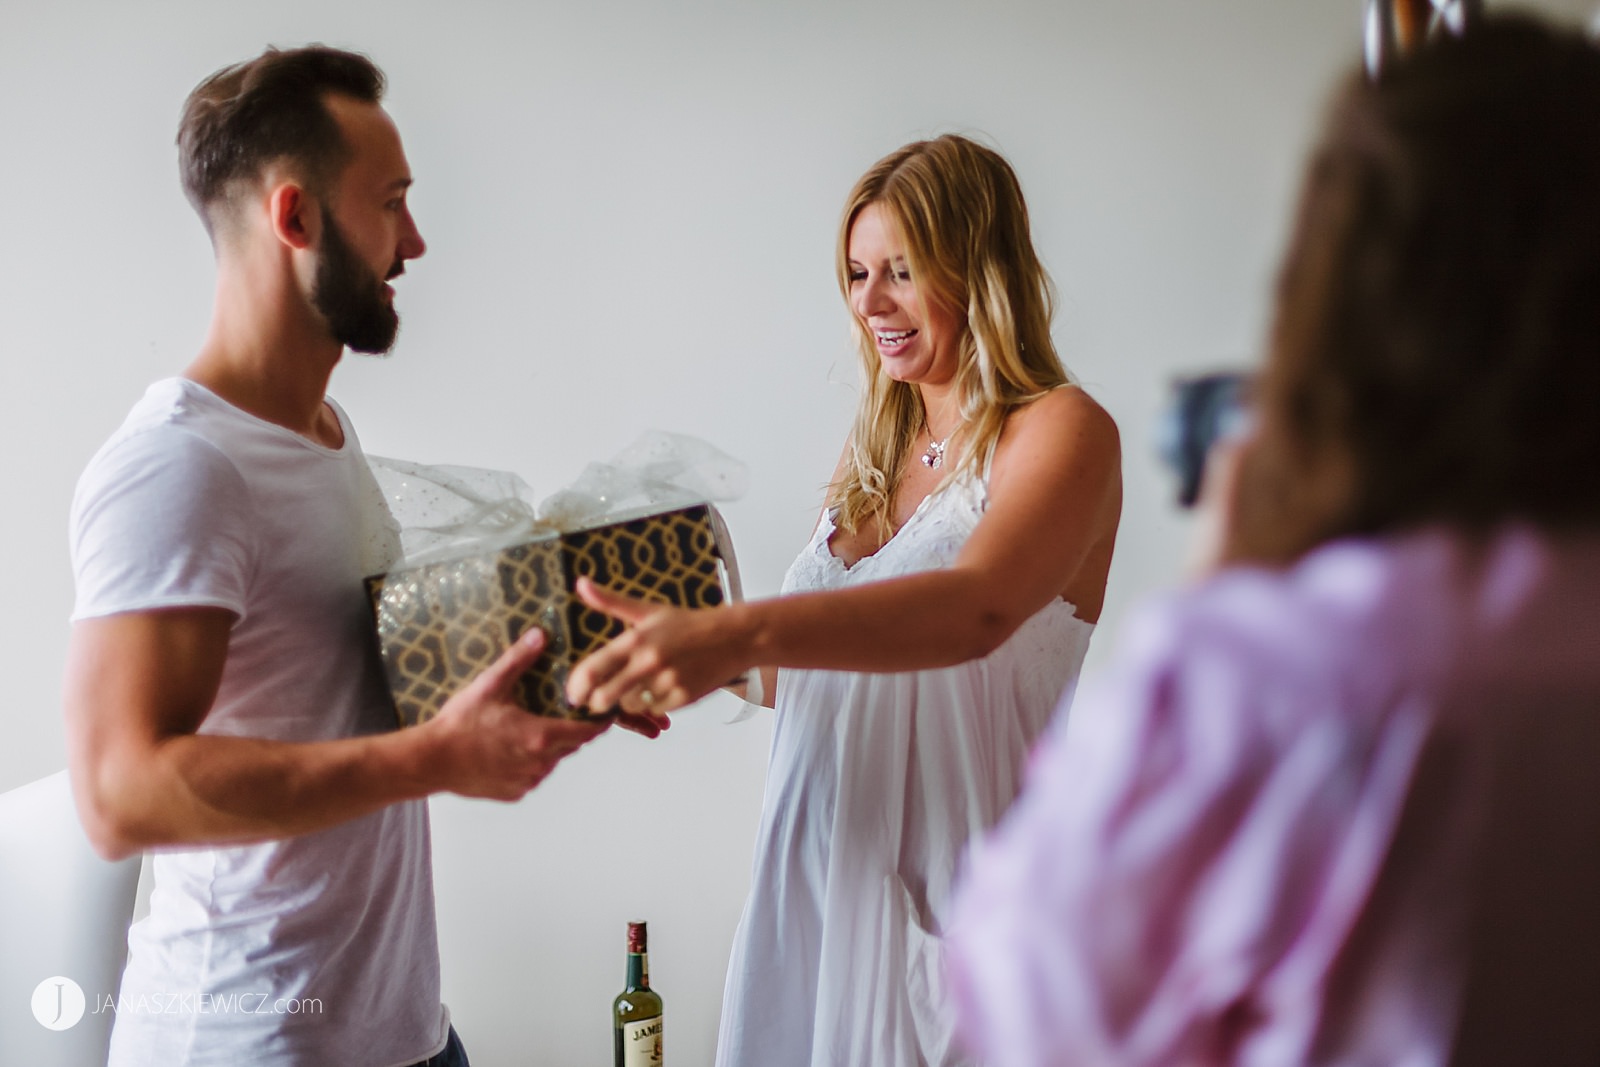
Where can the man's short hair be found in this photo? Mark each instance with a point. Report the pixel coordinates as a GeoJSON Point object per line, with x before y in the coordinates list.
{"type": "Point", "coordinates": [266, 109]}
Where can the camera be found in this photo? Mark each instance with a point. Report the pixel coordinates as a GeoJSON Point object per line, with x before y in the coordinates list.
{"type": "Point", "coordinates": [1202, 411]}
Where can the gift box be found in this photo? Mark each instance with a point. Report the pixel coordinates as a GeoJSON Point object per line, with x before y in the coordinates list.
{"type": "Point", "coordinates": [441, 623]}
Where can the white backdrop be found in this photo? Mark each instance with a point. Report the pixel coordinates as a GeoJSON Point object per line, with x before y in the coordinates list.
{"type": "Point", "coordinates": [630, 208]}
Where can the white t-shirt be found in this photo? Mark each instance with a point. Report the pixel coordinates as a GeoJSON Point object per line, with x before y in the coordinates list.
{"type": "Point", "coordinates": [318, 949]}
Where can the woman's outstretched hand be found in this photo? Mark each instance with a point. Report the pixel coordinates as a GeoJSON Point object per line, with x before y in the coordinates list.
{"type": "Point", "coordinates": [667, 657]}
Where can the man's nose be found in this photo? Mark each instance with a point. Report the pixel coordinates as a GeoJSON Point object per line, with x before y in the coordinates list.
{"type": "Point", "coordinates": [411, 243]}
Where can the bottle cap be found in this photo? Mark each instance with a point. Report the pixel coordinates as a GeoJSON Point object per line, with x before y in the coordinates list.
{"type": "Point", "coordinates": [636, 937]}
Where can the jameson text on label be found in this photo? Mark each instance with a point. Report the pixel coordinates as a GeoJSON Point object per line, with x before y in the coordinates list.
{"type": "Point", "coordinates": [641, 1043]}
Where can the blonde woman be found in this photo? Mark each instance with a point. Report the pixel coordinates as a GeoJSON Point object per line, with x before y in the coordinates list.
{"type": "Point", "coordinates": [926, 633]}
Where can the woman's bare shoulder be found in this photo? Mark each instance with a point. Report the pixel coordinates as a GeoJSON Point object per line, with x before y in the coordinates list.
{"type": "Point", "coordinates": [1068, 416]}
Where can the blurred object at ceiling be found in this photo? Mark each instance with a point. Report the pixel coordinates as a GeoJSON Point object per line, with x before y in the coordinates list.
{"type": "Point", "coordinates": [1396, 27]}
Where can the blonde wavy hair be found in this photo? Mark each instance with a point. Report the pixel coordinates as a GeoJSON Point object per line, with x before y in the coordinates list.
{"type": "Point", "coordinates": [960, 213]}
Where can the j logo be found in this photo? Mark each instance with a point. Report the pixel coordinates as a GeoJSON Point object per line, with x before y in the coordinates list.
{"type": "Point", "coordinates": [58, 1003]}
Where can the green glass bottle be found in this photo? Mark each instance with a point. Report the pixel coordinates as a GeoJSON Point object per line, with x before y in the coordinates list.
{"type": "Point", "coordinates": [636, 1013]}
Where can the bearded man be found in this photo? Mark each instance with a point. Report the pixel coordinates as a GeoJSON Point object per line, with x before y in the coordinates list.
{"type": "Point", "coordinates": [224, 700]}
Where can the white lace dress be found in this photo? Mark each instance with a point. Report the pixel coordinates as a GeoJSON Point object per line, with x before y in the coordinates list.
{"type": "Point", "coordinates": [876, 783]}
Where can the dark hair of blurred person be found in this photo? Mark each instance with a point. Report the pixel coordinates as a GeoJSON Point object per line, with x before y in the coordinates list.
{"type": "Point", "coordinates": [1436, 355]}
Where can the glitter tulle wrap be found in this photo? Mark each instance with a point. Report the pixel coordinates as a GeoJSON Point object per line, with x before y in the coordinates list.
{"type": "Point", "coordinates": [447, 511]}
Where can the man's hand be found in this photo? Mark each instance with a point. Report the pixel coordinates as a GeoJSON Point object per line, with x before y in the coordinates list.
{"type": "Point", "coordinates": [492, 746]}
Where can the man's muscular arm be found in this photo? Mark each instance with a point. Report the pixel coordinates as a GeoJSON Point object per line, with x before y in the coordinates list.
{"type": "Point", "coordinates": [140, 684]}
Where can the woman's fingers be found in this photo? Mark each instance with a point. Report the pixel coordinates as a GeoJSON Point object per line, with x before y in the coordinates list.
{"type": "Point", "coordinates": [582, 680]}
{"type": "Point", "coordinates": [635, 684]}
{"type": "Point", "coordinates": [585, 685]}
{"type": "Point", "coordinates": [634, 687]}
{"type": "Point", "coordinates": [617, 605]}
{"type": "Point", "coordinates": [649, 669]}
{"type": "Point", "coordinates": [604, 676]}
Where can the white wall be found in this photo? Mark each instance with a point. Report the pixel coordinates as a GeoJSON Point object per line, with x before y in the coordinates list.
{"type": "Point", "coordinates": [631, 211]}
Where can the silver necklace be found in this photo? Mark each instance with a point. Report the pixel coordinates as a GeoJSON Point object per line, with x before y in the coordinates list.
{"type": "Point", "coordinates": [933, 458]}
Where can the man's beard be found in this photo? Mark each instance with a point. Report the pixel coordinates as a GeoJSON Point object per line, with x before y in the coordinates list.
{"type": "Point", "coordinates": [351, 297]}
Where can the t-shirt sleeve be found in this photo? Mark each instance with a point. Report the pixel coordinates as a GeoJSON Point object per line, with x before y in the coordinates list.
{"type": "Point", "coordinates": [161, 519]}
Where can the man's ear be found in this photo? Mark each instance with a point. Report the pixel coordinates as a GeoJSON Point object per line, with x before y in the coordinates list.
{"type": "Point", "coordinates": [293, 215]}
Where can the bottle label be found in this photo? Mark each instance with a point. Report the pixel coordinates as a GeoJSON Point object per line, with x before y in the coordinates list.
{"type": "Point", "coordinates": [641, 1043]}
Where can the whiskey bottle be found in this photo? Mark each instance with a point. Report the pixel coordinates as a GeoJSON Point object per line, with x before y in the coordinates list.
{"type": "Point", "coordinates": [636, 1013]}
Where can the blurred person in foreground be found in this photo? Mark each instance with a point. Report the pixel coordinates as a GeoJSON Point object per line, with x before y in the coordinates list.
{"type": "Point", "coordinates": [945, 601]}
{"type": "Point", "coordinates": [1338, 804]}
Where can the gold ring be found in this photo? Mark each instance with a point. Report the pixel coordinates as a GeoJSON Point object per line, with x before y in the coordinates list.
{"type": "Point", "coordinates": [646, 697]}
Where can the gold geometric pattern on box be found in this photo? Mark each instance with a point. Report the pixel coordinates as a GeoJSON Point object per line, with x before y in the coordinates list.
{"type": "Point", "coordinates": [441, 624]}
